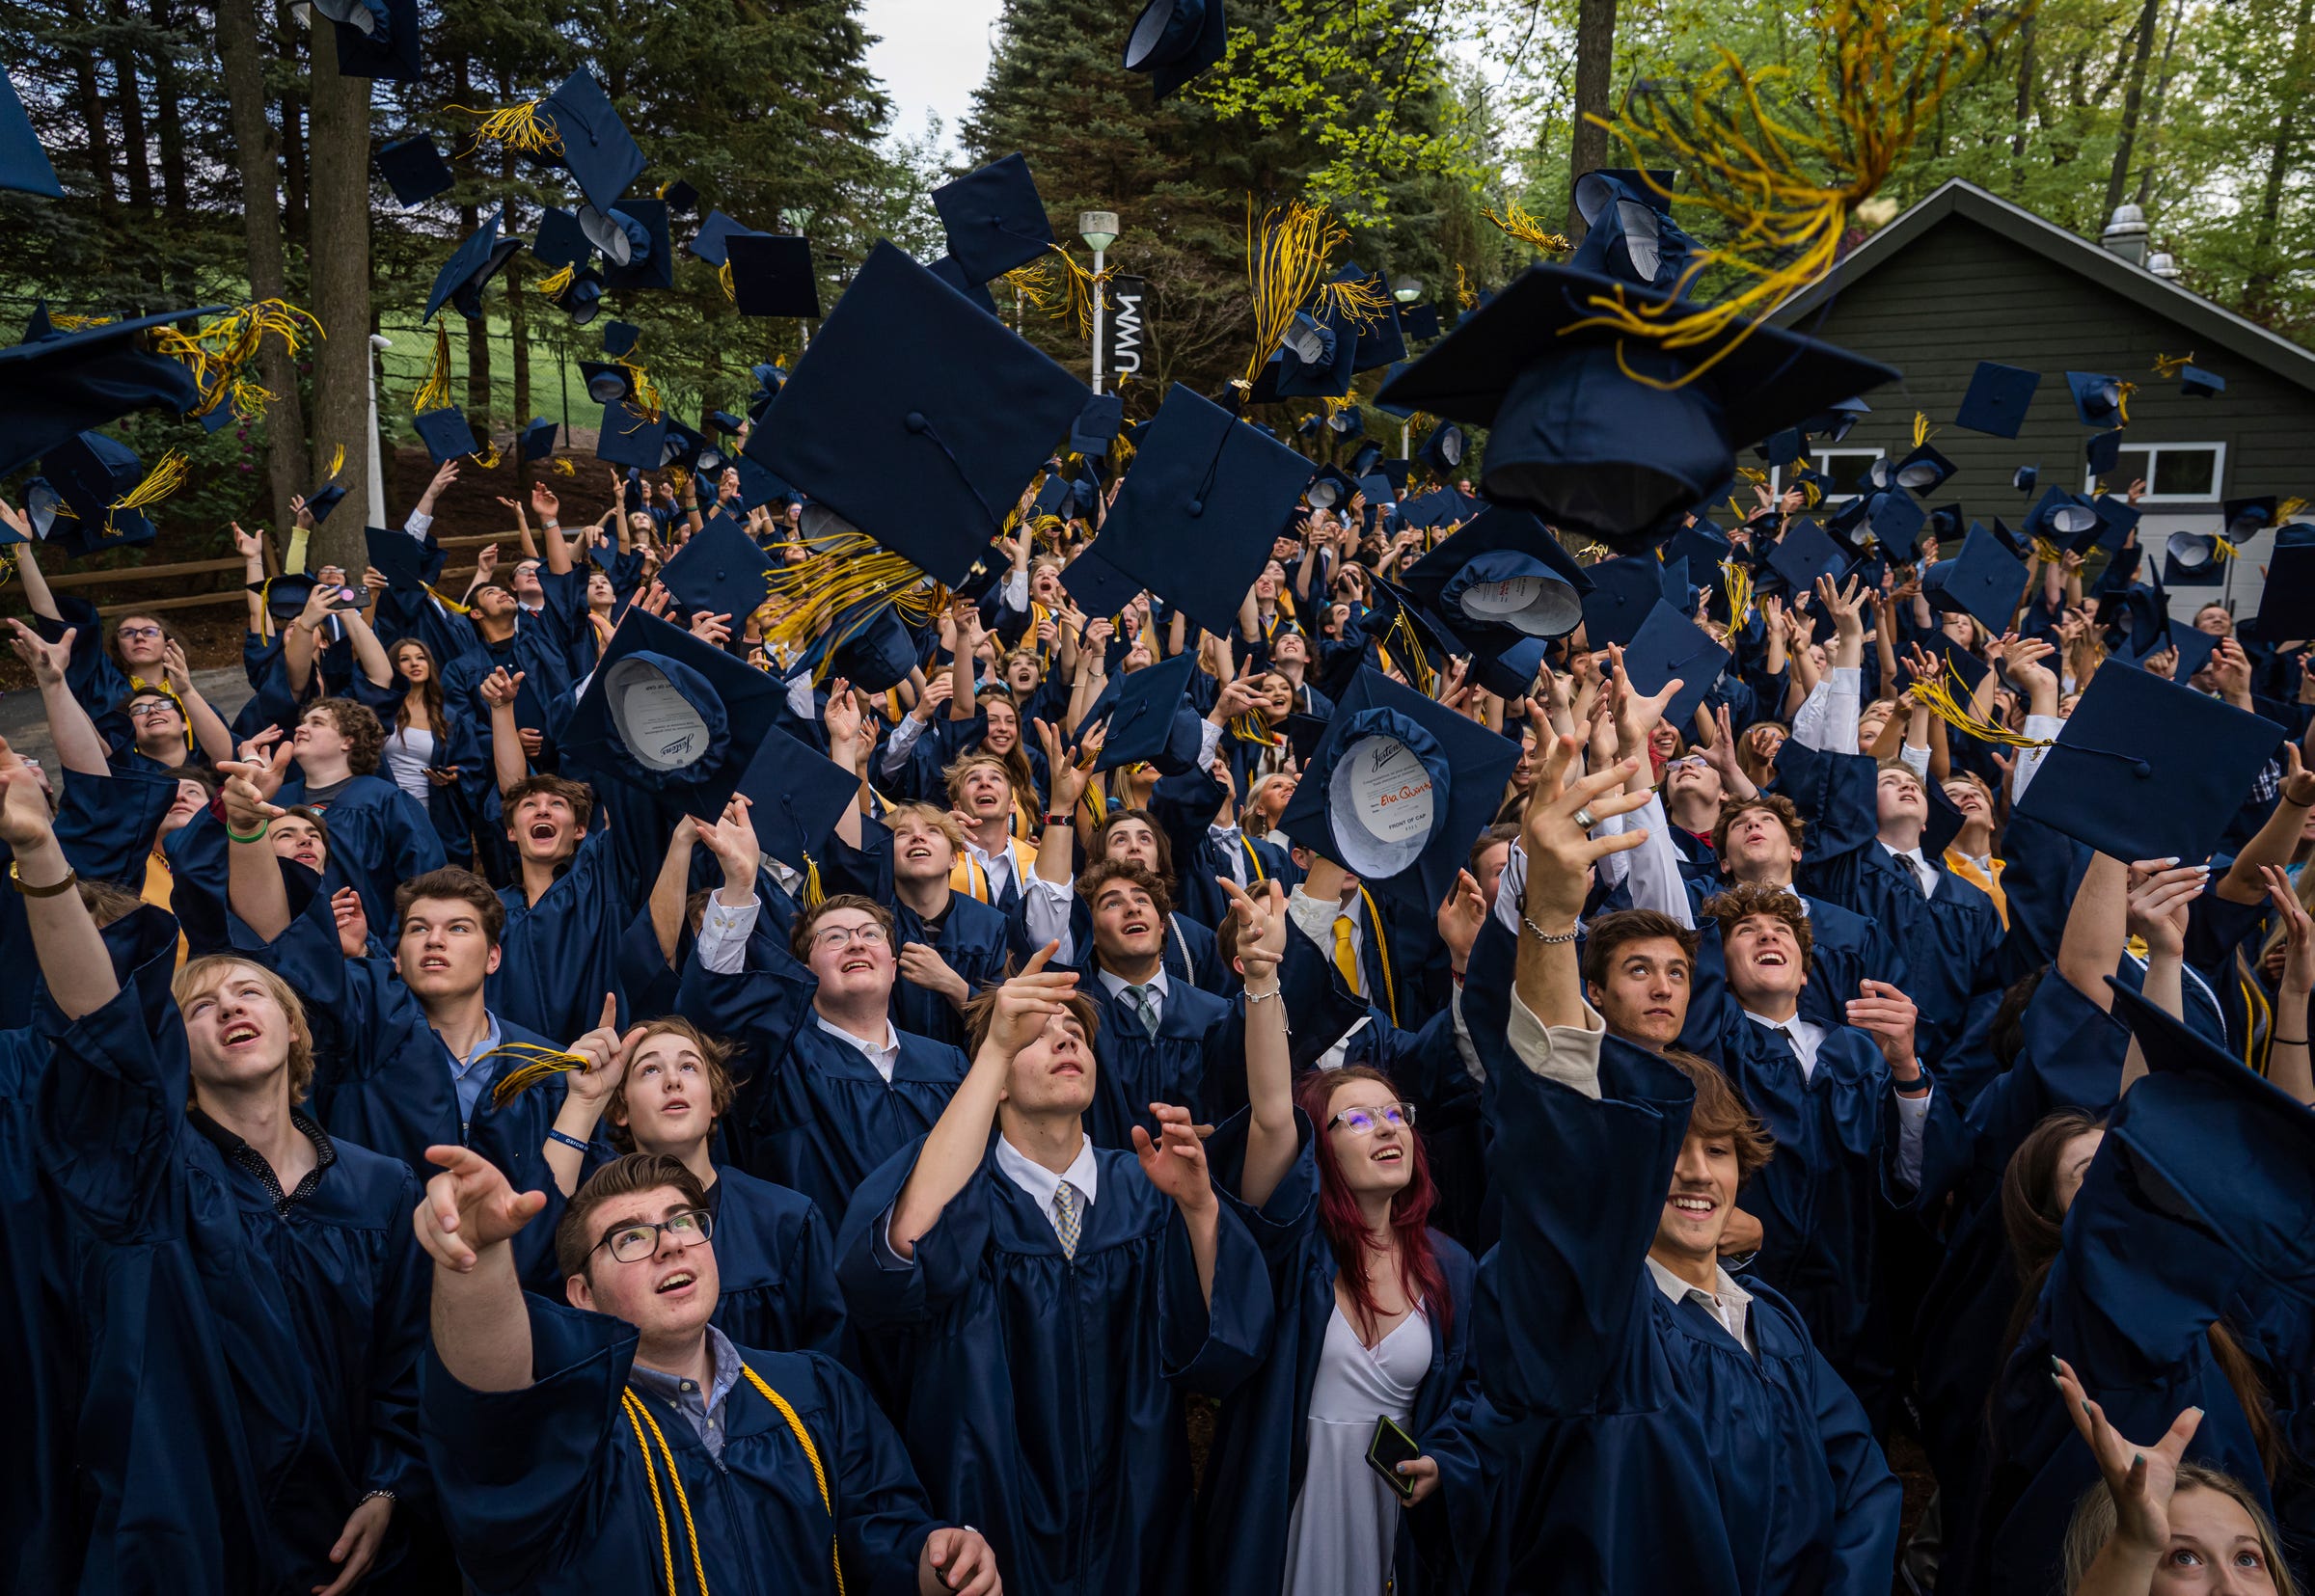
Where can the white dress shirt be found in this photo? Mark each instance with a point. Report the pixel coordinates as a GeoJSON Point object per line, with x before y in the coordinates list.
{"type": "Point", "coordinates": [1729, 1304]}
{"type": "Point", "coordinates": [724, 933]}
{"type": "Point", "coordinates": [1806, 1036]}
{"type": "Point", "coordinates": [1160, 989]}
{"type": "Point", "coordinates": [998, 865]}
{"type": "Point", "coordinates": [882, 1056]}
{"type": "Point", "coordinates": [1912, 859]}
{"type": "Point", "coordinates": [1231, 840]}
{"type": "Point", "coordinates": [1827, 718]}
{"type": "Point", "coordinates": [2042, 728]}
{"type": "Point", "coordinates": [1084, 1172]}
{"type": "Point", "coordinates": [1315, 918]}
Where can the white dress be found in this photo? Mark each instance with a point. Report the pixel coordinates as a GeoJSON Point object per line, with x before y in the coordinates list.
{"type": "Point", "coordinates": [1345, 1521]}
{"type": "Point", "coordinates": [408, 753]}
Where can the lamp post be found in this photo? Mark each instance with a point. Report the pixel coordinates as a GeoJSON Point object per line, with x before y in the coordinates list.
{"type": "Point", "coordinates": [1099, 230]}
{"type": "Point", "coordinates": [1406, 290]}
{"type": "Point", "coordinates": [379, 343]}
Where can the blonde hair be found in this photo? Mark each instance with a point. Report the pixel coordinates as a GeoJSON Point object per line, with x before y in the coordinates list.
{"type": "Point", "coordinates": [205, 974]}
{"type": "Point", "coordinates": [930, 816]}
{"type": "Point", "coordinates": [2094, 1523]}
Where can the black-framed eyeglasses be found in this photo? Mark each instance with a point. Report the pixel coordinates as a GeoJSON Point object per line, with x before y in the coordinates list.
{"type": "Point", "coordinates": [632, 1243]}
{"type": "Point", "coordinates": [1361, 1121]}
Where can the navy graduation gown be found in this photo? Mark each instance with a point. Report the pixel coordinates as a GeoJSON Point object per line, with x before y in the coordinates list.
{"type": "Point", "coordinates": [379, 838]}
{"type": "Point", "coordinates": [302, 1333]}
{"type": "Point", "coordinates": [1045, 1395]}
{"type": "Point", "coordinates": [1199, 1039]}
{"type": "Point", "coordinates": [561, 954]}
{"type": "Point", "coordinates": [776, 1259]}
{"type": "Point", "coordinates": [547, 1490]}
{"type": "Point", "coordinates": [1646, 1448]}
{"type": "Point", "coordinates": [1260, 1442]}
{"type": "Point", "coordinates": [973, 938]}
{"type": "Point", "coordinates": [818, 1117]}
{"type": "Point", "coordinates": [1845, 949]}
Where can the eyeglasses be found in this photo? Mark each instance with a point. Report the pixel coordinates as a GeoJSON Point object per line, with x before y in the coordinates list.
{"type": "Point", "coordinates": [1361, 1121]}
{"type": "Point", "coordinates": [138, 634]}
{"type": "Point", "coordinates": [151, 711]}
{"type": "Point", "coordinates": [837, 937]}
{"type": "Point", "coordinates": [632, 1243]}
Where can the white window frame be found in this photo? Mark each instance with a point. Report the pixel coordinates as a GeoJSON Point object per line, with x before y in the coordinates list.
{"type": "Point", "coordinates": [2152, 451]}
{"type": "Point", "coordinates": [1816, 463]}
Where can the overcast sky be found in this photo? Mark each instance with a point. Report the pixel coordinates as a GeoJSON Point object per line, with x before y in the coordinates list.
{"type": "Point", "coordinates": [932, 55]}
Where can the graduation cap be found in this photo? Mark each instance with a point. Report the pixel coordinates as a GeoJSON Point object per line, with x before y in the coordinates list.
{"type": "Point", "coordinates": [91, 475]}
{"type": "Point", "coordinates": [711, 243]}
{"type": "Point", "coordinates": [2024, 477]}
{"type": "Point", "coordinates": [917, 418]}
{"type": "Point", "coordinates": [1623, 593]}
{"type": "Point", "coordinates": [1443, 450]}
{"type": "Point", "coordinates": [2243, 517]}
{"type": "Point", "coordinates": [560, 242]}
{"type": "Point", "coordinates": [2097, 399]}
{"type": "Point", "coordinates": [724, 422]}
{"type": "Point", "coordinates": [23, 163]}
{"type": "Point", "coordinates": [2192, 559]}
{"type": "Point", "coordinates": [1805, 552]}
{"type": "Point", "coordinates": [1397, 788]}
{"type": "Point", "coordinates": [376, 38]}
{"type": "Point", "coordinates": [759, 484]}
{"type": "Point", "coordinates": [1895, 519]}
{"type": "Point", "coordinates": [1313, 364]}
{"type": "Point", "coordinates": [1670, 645]}
{"type": "Point", "coordinates": [1174, 41]}
{"type": "Point", "coordinates": [620, 338]}
{"type": "Point", "coordinates": [1784, 448]}
{"type": "Point", "coordinates": [666, 711]}
{"type": "Point", "coordinates": [1628, 231]}
{"type": "Point", "coordinates": [1366, 461]}
{"type": "Point", "coordinates": [446, 433]}
{"type": "Point", "coordinates": [581, 300]}
{"type": "Point", "coordinates": [460, 281]}
{"type": "Point", "coordinates": [2063, 518]}
{"type": "Point", "coordinates": [718, 572]}
{"type": "Point", "coordinates": [867, 645]}
{"type": "Point", "coordinates": [648, 259]}
{"type": "Point", "coordinates": [594, 143]}
{"type": "Point", "coordinates": [322, 501]}
{"type": "Point", "coordinates": [1945, 523]}
{"type": "Point", "coordinates": [1347, 423]}
{"type": "Point", "coordinates": [1193, 520]}
{"type": "Point", "coordinates": [1997, 400]}
{"type": "Point", "coordinates": [606, 381]}
{"type": "Point", "coordinates": [539, 439]}
{"type": "Point", "coordinates": [56, 383]}
{"type": "Point", "coordinates": [630, 438]}
{"type": "Point", "coordinates": [401, 558]}
{"type": "Point", "coordinates": [1381, 342]}
{"type": "Point", "coordinates": [679, 445]}
{"type": "Point", "coordinates": [1418, 323]}
{"type": "Point", "coordinates": [2287, 603]}
{"type": "Point", "coordinates": [1924, 471]}
{"type": "Point", "coordinates": [1329, 489]}
{"type": "Point", "coordinates": [2146, 769]}
{"type": "Point", "coordinates": [1834, 421]}
{"type": "Point", "coordinates": [1593, 449]}
{"type": "Point", "coordinates": [995, 218]}
{"type": "Point", "coordinates": [772, 276]}
{"type": "Point", "coordinates": [2117, 518]}
{"type": "Point", "coordinates": [2195, 647]}
{"type": "Point", "coordinates": [1984, 580]}
{"type": "Point", "coordinates": [1152, 721]}
{"type": "Point", "coordinates": [681, 196]}
{"type": "Point", "coordinates": [1395, 473]}
{"type": "Point", "coordinates": [1501, 582]}
{"type": "Point", "coordinates": [2104, 451]}
{"type": "Point", "coordinates": [2197, 384]}
{"type": "Point", "coordinates": [796, 794]}
{"type": "Point", "coordinates": [1099, 587]}
{"type": "Point", "coordinates": [949, 272]}
{"type": "Point", "coordinates": [413, 169]}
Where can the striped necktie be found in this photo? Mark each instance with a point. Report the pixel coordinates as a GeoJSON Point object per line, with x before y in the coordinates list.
{"type": "Point", "coordinates": [1069, 1218]}
{"type": "Point", "coordinates": [1144, 1000]}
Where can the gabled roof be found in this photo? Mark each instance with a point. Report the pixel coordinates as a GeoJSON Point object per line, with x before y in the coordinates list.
{"type": "Point", "coordinates": [2212, 323]}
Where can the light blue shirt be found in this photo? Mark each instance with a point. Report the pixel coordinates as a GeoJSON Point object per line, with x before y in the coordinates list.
{"type": "Point", "coordinates": [472, 1074]}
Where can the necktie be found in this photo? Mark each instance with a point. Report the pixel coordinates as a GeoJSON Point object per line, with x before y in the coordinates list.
{"type": "Point", "coordinates": [1069, 1212]}
{"type": "Point", "coordinates": [1345, 957]}
{"type": "Point", "coordinates": [1145, 1006]}
{"type": "Point", "coordinates": [1231, 852]}
{"type": "Point", "coordinates": [1921, 872]}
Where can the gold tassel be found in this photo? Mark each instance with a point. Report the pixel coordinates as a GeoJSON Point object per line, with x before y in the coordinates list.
{"type": "Point", "coordinates": [544, 1063]}
{"type": "Point", "coordinates": [555, 283]}
{"type": "Point", "coordinates": [2048, 552]}
{"type": "Point", "coordinates": [814, 895]}
{"type": "Point", "coordinates": [218, 350]}
{"type": "Point", "coordinates": [1737, 583]}
{"type": "Point", "coordinates": [1516, 220]}
{"type": "Point", "coordinates": [167, 476]}
{"type": "Point", "coordinates": [678, 479]}
{"type": "Point", "coordinates": [1286, 263]}
{"type": "Point", "coordinates": [1922, 430]}
{"type": "Point", "coordinates": [487, 456]}
{"type": "Point", "coordinates": [2168, 366]}
{"type": "Point", "coordinates": [801, 600]}
{"type": "Point", "coordinates": [1751, 474]}
{"type": "Point", "coordinates": [724, 281]}
{"type": "Point", "coordinates": [434, 393]}
{"type": "Point", "coordinates": [74, 324]}
{"type": "Point", "coordinates": [565, 466]}
{"type": "Point", "coordinates": [1253, 726]}
{"type": "Point", "coordinates": [453, 606]}
{"type": "Point", "coordinates": [1359, 303]}
{"type": "Point", "coordinates": [1943, 698]}
{"type": "Point", "coordinates": [2123, 392]}
{"type": "Point", "coordinates": [2289, 510]}
{"type": "Point", "coordinates": [1464, 294]}
{"type": "Point", "coordinates": [337, 463]}
{"type": "Point", "coordinates": [644, 401]}
{"type": "Point", "coordinates": [517, 127]}
{"type": "Point", "coordinates": [2226, 550]}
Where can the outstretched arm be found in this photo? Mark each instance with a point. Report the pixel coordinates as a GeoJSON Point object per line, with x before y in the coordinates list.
{"type": "Point", "coordinates": [2288, 1066]}
{"type": "Point", "coordinates": [78, 747]}
{"type": "Point", "coordinates": [1271, 1142]}
{"type": "Point", "coordinates": [481, 1329]}
{"type": "Point", "coordinates": [2244, 881]}
{"type": "Point", "coordinates": [253, 870]}
{"type": "Point", "coordinates": [72, 951]}
{"type": "Point", "coordinates": [508, 763]}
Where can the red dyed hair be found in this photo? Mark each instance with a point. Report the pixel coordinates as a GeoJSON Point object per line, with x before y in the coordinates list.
{"type": "Point", "coordinates": [1419, 1276]}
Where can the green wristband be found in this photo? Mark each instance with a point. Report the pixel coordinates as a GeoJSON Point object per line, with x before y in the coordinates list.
{"type": "Point", "coordinates": [258, 835]}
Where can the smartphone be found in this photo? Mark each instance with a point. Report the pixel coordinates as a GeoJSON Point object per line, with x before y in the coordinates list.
{"type": "Point", "coordinates": [1391, 1447]}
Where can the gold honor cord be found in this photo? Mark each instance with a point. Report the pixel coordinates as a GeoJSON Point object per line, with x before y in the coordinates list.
{"type": "Point", "coordinates": [1516, 220]}
{"type": "Point", "coordinates": [1943, 698]}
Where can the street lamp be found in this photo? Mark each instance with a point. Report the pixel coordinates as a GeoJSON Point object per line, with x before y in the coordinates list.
{"type": "Point", "coordinates": [379, 343]}
{"type": "Point", "coordinates": [1408, 289]}
{"type": "Point", "coordinates": [1099, 230]}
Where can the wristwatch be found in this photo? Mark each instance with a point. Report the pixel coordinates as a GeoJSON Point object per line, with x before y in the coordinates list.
{"type": "Point", "coordinates": [17, 878]}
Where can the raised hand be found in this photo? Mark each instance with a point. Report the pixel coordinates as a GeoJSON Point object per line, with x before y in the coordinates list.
{"type": "Point", "coordinates": [1890, 1017]}
{"type": "Point", "coordinates": [1261, 925]}
{"type": "Point", "coordinates": [1070, 775]}
{"type": "Point", "coordinates": [1462, 917]}
{"type": "Point", "coordinates": [353, 922]}
{"type": "Point", "coordinates": [732, 839]}
{"type": "Point", "coordinates": [1175, 1162]}
{"type": "Point", "coordinates": [544, 501]}
{"type": "Point", "coordinates": [842, 717]}
{"type": "Point", "coordinates": [469, 1207]}
{"type": "Point", "coordinates": [1555, 833]}
{"type": "Point", "coordinates": [249, 786]}
{"type": "Point", "coordinates": [248, 545]}
{"type": "Point", "coordinates": [24, 818]}
{"type": "Point", "coordinates": [2161, 893]}
{"type": "Point", "coordinates": [1028, 1003]}
{"type": "Point", "coordinates": [712, 629]}
{"type": "Point", "coordinates": [1637, 715]}
{"type": "Point", "coordinates": [2140, 1478]}
{"type": "Point", "coordinates": [47, 660]}
{"type": "Point", "coordinates": [499, 686]}
{"type": "Point", "coordinates": [606, 1052]}
{"type": "Point", "coordinates": [2299, 930]}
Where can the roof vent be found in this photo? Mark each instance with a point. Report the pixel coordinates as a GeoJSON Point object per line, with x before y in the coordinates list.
{"type": "Point", "coordinates": [2165, 265]}
{"type": "Point", "coordinates": [2126, 235]}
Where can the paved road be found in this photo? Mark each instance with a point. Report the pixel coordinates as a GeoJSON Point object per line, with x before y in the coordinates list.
{"type": "Point", "coordinates": [25, 725]}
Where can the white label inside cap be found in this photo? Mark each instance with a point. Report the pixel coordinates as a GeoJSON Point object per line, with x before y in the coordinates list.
{"type": "Point", "coordinates": [1532, 604]}
{"type": "Point", "coordinates": [1382, 805]}
{"type": "Point", "coordinates": [658, 724]}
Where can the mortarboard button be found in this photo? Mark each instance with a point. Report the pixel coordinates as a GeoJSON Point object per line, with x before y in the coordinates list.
{"type": "Point", "coordinates": [595, 144]}
{"type": "Point", "coordinates": [915, 417]}
{"type": "Point", "coordinates": [1174, 41]}
{"type": "Point", "coordinates": [1668, 645]}
{"type": "Point", "coordinates": [995, 219]}
{"type": "Point", "coordinates": [415, 170]}
{"type": "Point", "coordinates": [1997, 400]}
{"type": "Point", "coordinates": [2097, 398]}
{"type": "Point", "coordinates": [24, 165]}
{"type": "Point", "coordinates": [446, 434]}
{"type": "Point", "coordinates": [560, 241]}
{"type": "Point", "coordinates": [796, 796]}
{"type": "Point", "coordinates": [771, 275]}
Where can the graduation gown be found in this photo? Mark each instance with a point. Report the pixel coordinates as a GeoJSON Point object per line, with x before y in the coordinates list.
{"type": "Point", "coordinates": [561, 954]}
{"type": "Point", "coordinates": [1045, 1399]}
{"type": "Point", "coordinates": [379, 838]}
{"type": "Point", "coordinates": [1644, 1448]}
{"type": "Point", "coordinates": [1199, 1038]}
{"type": "Point", "coordinates": [1845, 949]}
{"type": "Point", "coordinates": [776, 1258]}
{"type": "Point", "coordinates": [818, 1117]}
{"type": "Point", "coordinates": [298, 1330]}
{"type": "Point", "coordinates": [547, 1490]}
{"type": "Point", "coordinates": [973, 938]}
{"type": "Point", "coordinates": [1184, 807]}
{"type": "Point", "coordinates": [1260, 1442]}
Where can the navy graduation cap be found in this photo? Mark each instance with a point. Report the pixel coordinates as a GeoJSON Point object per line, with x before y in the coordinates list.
{"type": "Point", "coordinates": [2104, 451]}
{"type": "Point", "coordinates": [1628, 230]}
{"type": "Point", "coordinates": [460, 281]}
{"type": "Point", "coordinates": [2097, 398]}
{"type": "Point", "coordinates": [867, 645]}
{"type": "Point", "coordinates": [1804, 553]}
{"type": "Point", "coordinates": [23, 163]}
{"type": "Point", "coordinates": [446, 433]}
{"type": "Point", "coordinates": [1670, 645]}
{"type": "Point", "coordinates": [637, 253]}
{"type": "Point", "coordinates": [413, 169]}
{"type": "Point", "coordinates": [401, 558]}
{"type": "Point", "coordinates": [718, 572]}
{"type": "Point", "coordinates": [2024, 477]}
{"type": "Point", "coordinates": [796, 794]}
{"type": "Point", "coordinates": [1397, 788]}
{"type": "Point", "coordinates": [1895, 519]}
{"type": "Point", "coordinates": [1443, 450]}
{"type": "Point", "coordinates": [322, 501]}
{"type": "Point", "coordinates": [2064, 518]}
{"type": "Point", "coordinates": [1312, 363]}
{"type": "Point", "coordinates": [1616, 457]}
{"type": "Point", "coordinates": [630, 438]}
{"type": "Point", "coordinates": [1623, 593]}
{"type": "Point", "coordinates": [594, 143]}
{"type": "Point", "coordinates": [1381, 342]}
{"type": "Point", "coordinates": [1834, 421]}
{"type": "Point", "coordinates": [1152, 722]}
{"type": "Point", "coordinates": [1418, 323]}
{"type": "Point", "coordinates": [1194, 519]}
{"type": "Point", "coordinates": [90, 473]}
{"type": "Point", "coordinates": [679, 445]}
{"type": "Point", "coordinates": [581, 300]}
{"type": "Point", "coordinates": [1924, 471]}
{"type": "Point", "coordinates": [1099, 587]}
{"type": "Point", "coordinates": [539, 439]}
{"type": "Point", "coordinates": [1174, 41]}
{"type": "Point", "coordinates": [620, 338]}
{"type": "Point", "coordinates": [1096, 428]}
{"type": "Point", "coordinates": [995, 218]}
{"type": "Point", "coordinates": [2146, 769]}
{"type": "Point", "coordinates": [560, 241]}
{"type": "Point", "coordinates": [917, 418]}
{"type": "Point", "coordinates": [2192, 559]}
{"type": "Point", "coordinates": [771, 275]}
{"type": "Point", "coordinates": [606, 381]}
{"type": "Point", "coordinates": [2287, 604]}
{"type": "Point", "coordinates": [376, 38]}
{"type": "Point", "coordinates": [666, 711]}
{"type": "Point", "coordinates": [711, 242]}
{"type": "Point", "coordinates": [1997, 400]}
{"type": "Point", "coordinates": [1329, 489]}
{"type": "Point", "coordinates": [1500, 583]}
{"type": "Point", "coordinates": [56, 383]}
{"type": "Point", "coordinates": [949, 272]}
{"type": "Point", "coordinates": [1984, 580]}
{"type": "Point", "coordinates": [2197, 384]}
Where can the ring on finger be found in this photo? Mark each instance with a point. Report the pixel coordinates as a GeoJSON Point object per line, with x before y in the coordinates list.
{"type": "Point", "coordinates": [1585, 818]}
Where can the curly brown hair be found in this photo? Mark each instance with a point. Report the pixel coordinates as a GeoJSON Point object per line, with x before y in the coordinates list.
{"type": "Point", "coordinates": [359, 724]}
{"type": "Point", "coordinates": [1746, 898]}
{"type": "Point", "coordinates": [1100, 875]}
{"type": "Point", "coordinates": [1788, 816]}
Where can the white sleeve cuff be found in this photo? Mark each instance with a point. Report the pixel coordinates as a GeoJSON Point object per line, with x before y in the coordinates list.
{"type": "Point", "coordinates": [2030, 760]}
{"type": "Point", "coordinates": [800, 697]}
{"type": "Point", "coordinates": [1044, 910]}
{"type": "Point", "coordinates": [1912, 1119]}
{"type": "Point", "coordinates": [724, 933]}
{"type": "Point", "coordinates": [1209, 743]}
{"type": "Point", "coordinates": [1568, 1054]}
{"type": "Point", "coordinates": [1917, 759]}
{"type": "Point", "coordinates": [418, 525]}
{"type": "Point", "coordinates": [904, 737]}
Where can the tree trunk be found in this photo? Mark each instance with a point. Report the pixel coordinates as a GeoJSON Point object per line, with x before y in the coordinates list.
{"type": "Point", "coordinates": [2025, 112]}
{"type": "Point", "coordinates": [517, 320]}
{"type": "Point", "coordinates": [293, 137]}
{"type": "Point", "coordinates": [175, 189]}
{"type": "Point", "coordinates": [1594, 78]}
{"type": "Point", "coordinates": [2134, 94]}
{"type": "Point", "coordinates": [2265, 268]}
{"type": "Point", "coordinates": [340, 265]}
{"type": "Point", "coordinates": [100, 130]}
{"type": "Point", "coordinates": [2152, 138]}
{"type": "Point", "coordinates": [129, 95]}
{"type": "Point", "coordinates": [256, 158]}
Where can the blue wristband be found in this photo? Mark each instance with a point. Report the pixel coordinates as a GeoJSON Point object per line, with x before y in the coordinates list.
{"type": "Point", "coordinates": [571, 1142]}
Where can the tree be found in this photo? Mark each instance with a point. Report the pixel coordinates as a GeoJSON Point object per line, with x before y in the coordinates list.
{"type": "Point", "coordinates": [341, 266]}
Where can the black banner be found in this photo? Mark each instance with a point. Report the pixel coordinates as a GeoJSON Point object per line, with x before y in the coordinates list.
{"type": "Point", "coordinates": [1124, 328]}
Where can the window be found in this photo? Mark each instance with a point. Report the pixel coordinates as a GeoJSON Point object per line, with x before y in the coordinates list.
{"type": "Point", "coordinates": [1844, 469]}
{"type": "Point", "coordinates": [2173, 473]}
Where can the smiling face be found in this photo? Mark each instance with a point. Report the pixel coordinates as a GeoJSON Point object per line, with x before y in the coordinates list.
{"type": "Point", "coordinates": [921, 851]}
{"type": "Point", "coordinates": [236, 1031]}
{"type": "Point", "coordinates": [851, 955]}
{"type": "Point", "coordinates": [1664, 739]}
{"type": "Point", "coordinates": [1277, 696]}
{"type": "Point", "coordinates": [1053, 1074]}
{"type": "Point", "coordinates": [1004, 727]}
{"type": "Point", "coordinates": [1381, 1157]}
{"type": "Point", "coordinates": [295, 837]}
{"type": "Point", "coordinates": [445, 952]}
{"type": "Point", "coordinates": [1869, 723]}
{"type": "Point", "coordinates": [1970, 798]}
{"type": "Point", "coordinates": [1696, 1208]}
{"type": "Point", "coordinates": [1766, 971]}
{"type": "Point", "coordinates": [2214, 619]}
{"type": "Point", "coordinates": [1645, 998]}
{"type": "Point", "coordinates": [670, 1295]}
{"type": "Point", "coordinates": [411, 661]}
{"type": "Point", "coordinates": [1290, 648]}
{"type": "Point", "coordinates": [543, 828]}
{"type": "Point", "coordinates": [158, 726]}
{"type": "Point", "coordinates": [1126, 925]}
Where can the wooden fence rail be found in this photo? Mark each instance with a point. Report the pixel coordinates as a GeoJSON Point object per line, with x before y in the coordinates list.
{"type": "Point", "coordinates": [65, 580]}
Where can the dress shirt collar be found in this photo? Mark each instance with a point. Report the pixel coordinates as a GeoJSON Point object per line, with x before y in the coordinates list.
{"type": "Point", "coordinates": [1084, 1172]}
{"type": "Point", "coordinates": [1728, 1303]}
{"type": "Point", "coordinates": [1116, 986]}
{"type": "Point", "coordinates": [882, 1056]}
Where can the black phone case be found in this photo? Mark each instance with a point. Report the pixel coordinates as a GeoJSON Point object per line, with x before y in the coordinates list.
{"type": "Point", "coordinates": [1386, 1426]}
